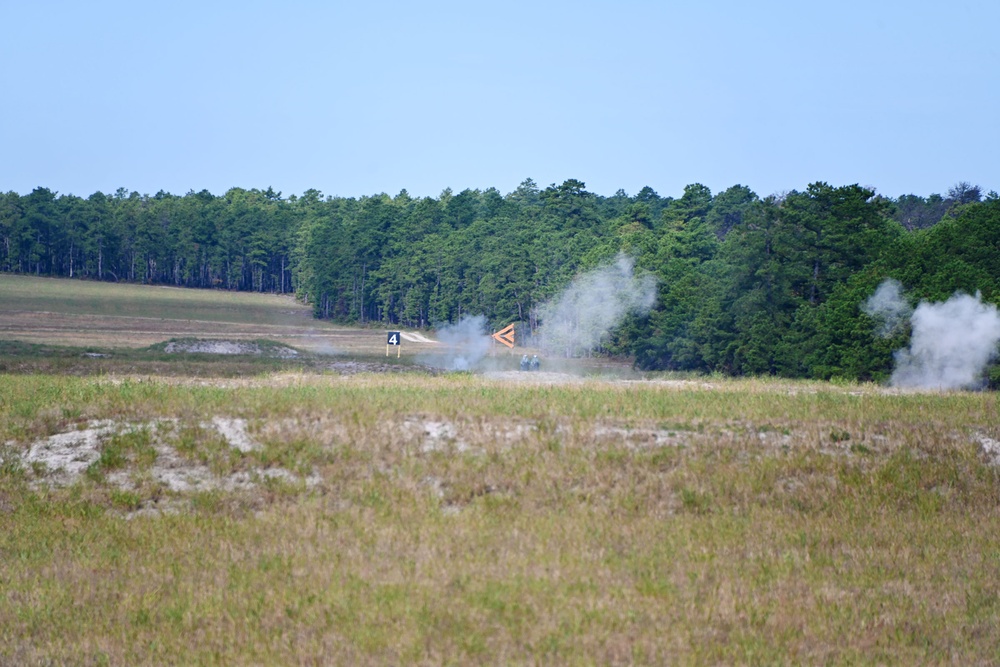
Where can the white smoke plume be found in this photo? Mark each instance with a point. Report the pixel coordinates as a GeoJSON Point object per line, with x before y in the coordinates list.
{"type": "Point", "coordinates": [594, 304]}
{"type": "Point", "coordinates": [463, 345]}
{"type": "Point", "coordinates": [889, 307]}
{"type": "Point", "coordinates": [951, 345]}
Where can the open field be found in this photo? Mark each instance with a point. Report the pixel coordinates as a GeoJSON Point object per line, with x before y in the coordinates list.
{"type": "Point", "coordinates": [247, 511]}
{"type": "Point", "coordinates": [82, 313]}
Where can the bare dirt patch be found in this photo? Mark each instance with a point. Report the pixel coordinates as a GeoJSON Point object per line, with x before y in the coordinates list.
{"type": "Point", "coordinates": [415, 337]}
{"type": "Point", "coordinates": [990, 448]}
{"type": "Point", "coordinates": [227, 347]}
{"type": "Point", "coordinates": [65, 458]}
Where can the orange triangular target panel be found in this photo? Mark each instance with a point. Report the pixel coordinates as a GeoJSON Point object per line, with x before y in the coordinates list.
{"type": "Point", "coordinates": [505, 336]}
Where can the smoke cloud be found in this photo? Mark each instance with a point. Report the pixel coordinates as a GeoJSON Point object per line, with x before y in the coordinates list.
{"type": "Point", "coordinates": [952, 342]}
{"type": "Point", "coordinates": [463, 345]}
{"type": "Point", "coordinates": [888, 307]}
{"type": "Point", "coordinates": [594, 304]}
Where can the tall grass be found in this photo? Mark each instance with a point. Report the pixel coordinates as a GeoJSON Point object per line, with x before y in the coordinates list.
{"type": "Point", "coordinates": [771, 522]}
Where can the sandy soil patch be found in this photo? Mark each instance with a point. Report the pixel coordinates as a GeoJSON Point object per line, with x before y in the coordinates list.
{"type": "Point", "coordinates": [66, 456]}
{"type": "Point", "coordinates": [227, 347]}
{"type": "Point", "coordinates": [990, 447]}
{"type": "Point", "coordinates": [415, 337]}
{"type": "Point", "coordinates": [61, 459]}
{"type": "Point", "coordinates": [235, 433]}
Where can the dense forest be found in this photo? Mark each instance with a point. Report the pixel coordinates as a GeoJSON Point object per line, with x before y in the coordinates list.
{"type": "Point", "coordinates": [747, 285]}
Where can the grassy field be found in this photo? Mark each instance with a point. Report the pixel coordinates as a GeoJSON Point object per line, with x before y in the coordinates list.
{"type": "Point", "coordinates": [227, 514]}
{"type": "Point", "coordinates": [83, 313]}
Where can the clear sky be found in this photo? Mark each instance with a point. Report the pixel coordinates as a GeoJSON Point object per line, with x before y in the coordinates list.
{"type": "Point", "coordinates": [356, 98]}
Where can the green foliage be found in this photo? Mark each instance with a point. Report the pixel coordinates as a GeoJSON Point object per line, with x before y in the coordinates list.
{"type": "Point", "coordinates": [961, 253]}
{"type": "Point", "coordinates": [747, 286]}
{"type": "Point", "coordinates": [756, 304]}
{"type": "Point", "coordinates": [130, 446]}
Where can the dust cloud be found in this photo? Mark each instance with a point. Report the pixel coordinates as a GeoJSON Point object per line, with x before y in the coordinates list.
{"type": "Point", "coordinates": [463, 345]}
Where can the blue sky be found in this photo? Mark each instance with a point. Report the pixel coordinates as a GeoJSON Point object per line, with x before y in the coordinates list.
{"type": "Point", "coordinates": [359, 98]}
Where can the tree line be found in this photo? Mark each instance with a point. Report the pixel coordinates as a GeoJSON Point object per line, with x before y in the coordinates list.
{"type": "Point", "coordinates": [747, 285]}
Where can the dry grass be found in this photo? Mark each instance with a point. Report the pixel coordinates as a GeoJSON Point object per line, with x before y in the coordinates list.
{"type": "Point", "coordinates": [108, 315]}
{"type": "Point", "coordinates": [463, 520]}
{"type": "Point", "coordinates": [511, 518]}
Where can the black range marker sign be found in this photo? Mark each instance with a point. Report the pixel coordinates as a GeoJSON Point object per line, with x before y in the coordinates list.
{"type": "Point", "coordinates": [393, 338]}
